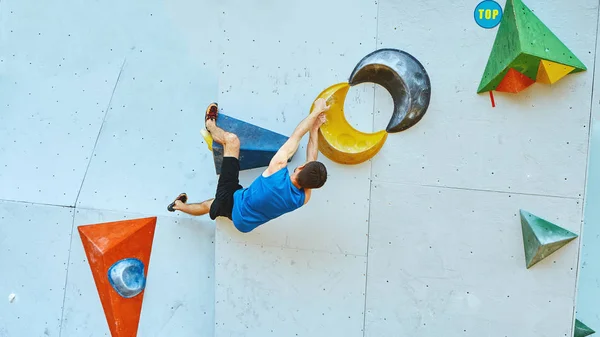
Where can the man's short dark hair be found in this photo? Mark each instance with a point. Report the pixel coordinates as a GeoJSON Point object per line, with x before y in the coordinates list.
{"type": "Point", "coordinates": [313, 175]}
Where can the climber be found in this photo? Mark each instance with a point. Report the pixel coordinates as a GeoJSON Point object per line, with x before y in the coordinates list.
{"type": "Point", "coordinates": [272, 194]}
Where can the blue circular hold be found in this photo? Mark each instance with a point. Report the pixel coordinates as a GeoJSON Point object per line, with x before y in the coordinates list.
{"type": "Point", "coordinates": [488, 14]}
{"type": "Point", "coordinates": [127, 277]}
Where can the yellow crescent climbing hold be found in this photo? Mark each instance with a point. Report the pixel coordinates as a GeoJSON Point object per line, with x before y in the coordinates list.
{"type": "Point", "coordinates": [338, 140]}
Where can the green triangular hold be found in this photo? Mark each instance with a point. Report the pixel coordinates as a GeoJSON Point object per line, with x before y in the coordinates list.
{"type": "Point", "coordinates": [521, 42]}
{"type": "Point", "coordinates": [542, 238]}
{"type": "Point", "coordinates": [582, 330]}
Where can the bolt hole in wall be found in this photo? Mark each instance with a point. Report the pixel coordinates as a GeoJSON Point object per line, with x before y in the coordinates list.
{"type": "Point", "coordinates": [360, 107]}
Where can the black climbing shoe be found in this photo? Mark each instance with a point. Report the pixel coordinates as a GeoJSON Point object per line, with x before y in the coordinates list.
{"type": "Point", "coordinates": [182, 197]}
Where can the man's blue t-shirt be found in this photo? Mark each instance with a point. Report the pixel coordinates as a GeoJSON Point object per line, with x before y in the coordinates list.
{"type": "Point", "coordinates": [265, 199]}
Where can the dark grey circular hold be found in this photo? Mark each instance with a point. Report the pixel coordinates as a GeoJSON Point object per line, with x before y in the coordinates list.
{"type": "Point", "coordinates": [404, 77]}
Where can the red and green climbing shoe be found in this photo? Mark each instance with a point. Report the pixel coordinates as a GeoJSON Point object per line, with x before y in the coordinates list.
{"type": "Point", "coordinates": [211, 112]}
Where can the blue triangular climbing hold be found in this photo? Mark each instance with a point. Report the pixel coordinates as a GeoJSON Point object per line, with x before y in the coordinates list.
{"type": "Point", "coordinates": [257, 145]}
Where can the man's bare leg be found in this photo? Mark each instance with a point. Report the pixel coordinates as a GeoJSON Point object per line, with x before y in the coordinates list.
{"type": "Point", "coordinates": [194, 209]}
{"type": "Point", "coordinates": [231, 148]}
{"type": "Point", "coordinates": [230, 142]}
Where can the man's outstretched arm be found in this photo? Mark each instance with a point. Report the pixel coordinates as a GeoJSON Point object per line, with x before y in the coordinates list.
{"type": "Point", "coordinates": [312, 150]}
{"type": "Point", "coordinates": [290, 147]}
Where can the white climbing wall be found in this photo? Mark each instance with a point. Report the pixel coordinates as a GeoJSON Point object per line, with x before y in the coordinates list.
{"type": "Point", "coordinates": [445, 254]}
{"type": "Point", "coordinates": [101, 106]}
{"type": "Point", "coordinates": [304, 271]}
{"type": "Point", "coordinates": [588, 292]}
{"type": "Point", "coordinates": [453, 264]}
{"type": "Point", "coordinates": [452, 259]}
{"type": "Point", "coordinates": [34, 265]}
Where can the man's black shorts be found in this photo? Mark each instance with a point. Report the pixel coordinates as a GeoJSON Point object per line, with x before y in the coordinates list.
{"type": "Point", "coordinates": [228, 183]}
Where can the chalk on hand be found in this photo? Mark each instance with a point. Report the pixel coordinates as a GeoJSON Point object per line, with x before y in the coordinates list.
{"type": "Point", "coordinates": [11, 297]}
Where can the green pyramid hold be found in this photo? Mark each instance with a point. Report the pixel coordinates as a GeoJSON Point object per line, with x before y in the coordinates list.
{"type": "Point", "coordinates": [521, 42]}
{"type": "Point", "coordinates": [582, 330]}
{"type": "Point", "coordinates": [541, 238]}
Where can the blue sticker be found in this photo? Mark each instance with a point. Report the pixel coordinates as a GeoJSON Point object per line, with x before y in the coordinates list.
{"type": "Point", "coordinates": [488, 14]}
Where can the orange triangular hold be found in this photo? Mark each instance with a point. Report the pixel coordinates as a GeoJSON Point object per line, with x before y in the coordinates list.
{"type": "Point", "coordinates": [550, 72]}
{"type": "Point", "coordinates": [116, 244]}
{"type": "Point", "coordinates": [514, 82]}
